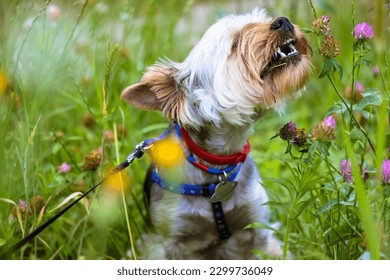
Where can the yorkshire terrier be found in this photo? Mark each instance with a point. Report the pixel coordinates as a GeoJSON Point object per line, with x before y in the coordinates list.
{"type": "Point", "coordinates": [242, 67]}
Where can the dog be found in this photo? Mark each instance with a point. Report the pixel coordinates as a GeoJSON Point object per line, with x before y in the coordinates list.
{"type": "Point", "coordinates": [243, 66]}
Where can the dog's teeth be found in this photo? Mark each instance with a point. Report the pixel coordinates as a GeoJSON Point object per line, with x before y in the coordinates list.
{"type": "Point", "coordinates": [293, 48]}
{"type": "Point", "coordinates": [282, 54]}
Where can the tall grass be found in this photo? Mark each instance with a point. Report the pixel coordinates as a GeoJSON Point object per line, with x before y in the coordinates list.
{"type": "Point", "coordinates": [60, 103]}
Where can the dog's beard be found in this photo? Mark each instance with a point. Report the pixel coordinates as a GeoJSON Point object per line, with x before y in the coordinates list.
{"type": "Point", "coordinates": [274, 63]}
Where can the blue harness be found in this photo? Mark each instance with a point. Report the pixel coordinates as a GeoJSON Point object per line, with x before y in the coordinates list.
{"type": "Point", "coordinates": [207, 190]}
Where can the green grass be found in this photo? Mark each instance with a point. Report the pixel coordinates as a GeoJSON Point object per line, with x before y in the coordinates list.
{"type": "Point", "coordinates": [62, 102]}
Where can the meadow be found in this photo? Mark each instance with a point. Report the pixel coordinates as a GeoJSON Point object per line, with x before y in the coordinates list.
{"type": "Point", "coordinates": [325, 162]}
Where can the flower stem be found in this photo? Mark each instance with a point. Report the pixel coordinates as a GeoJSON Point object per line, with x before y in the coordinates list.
{"type": "Point", "coordinates": [352, 116]}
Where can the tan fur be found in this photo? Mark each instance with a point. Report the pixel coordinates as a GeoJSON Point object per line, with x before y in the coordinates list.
{"type": "Point", "coordinates": [156, 91]}
{"type": "Point", "coordinates": [253, 50]}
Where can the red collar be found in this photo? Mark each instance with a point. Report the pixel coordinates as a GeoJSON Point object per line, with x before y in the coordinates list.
{"type": "Point", "coordinates": [215, 159]}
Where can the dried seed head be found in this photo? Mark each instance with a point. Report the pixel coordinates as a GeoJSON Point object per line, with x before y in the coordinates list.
{"type": "Point", "coordinates": [330, 47]}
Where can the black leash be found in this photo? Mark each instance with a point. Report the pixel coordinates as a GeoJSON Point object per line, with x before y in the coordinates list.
{"type": "Point", "coordinates": [137, 153]}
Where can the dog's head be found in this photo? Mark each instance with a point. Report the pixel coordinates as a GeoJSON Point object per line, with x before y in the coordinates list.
{"type": "Point", "coordinates": [242, 65]}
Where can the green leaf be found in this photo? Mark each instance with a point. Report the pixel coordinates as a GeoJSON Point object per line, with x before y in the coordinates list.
{"type": "Point", "coordinates": [338, 68]}
{"type": "Point", "coordinates": [259, 225]}
{"type": "Point", "coordinates": [356, 135]}
{"type": "Point", "coordinates": [275, 136]}
{"type": "Point", "coordinates": [307, 30]}
{"type": "Point", "coordinates": [288, 149]}
{"type": "Point", "coordinates": [2, 241]}
{"type": "Point", "coordinates": [338, 108]}
{"type": "Point", "coordinates": [368, 100]}
{"type": "Point", "coordinates": [302, 206]}
{"type": "Point", "coordinates": [327, 67]}
{"type": "Point", "coordinates": [363, 60]}
{"type": "Point", "coordinates": [331, 65]}
{"type": "Point", "coordinates": [327, 206]}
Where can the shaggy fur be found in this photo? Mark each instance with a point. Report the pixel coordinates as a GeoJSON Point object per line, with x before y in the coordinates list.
{"type": "Point", "coordinates": [243, 66]}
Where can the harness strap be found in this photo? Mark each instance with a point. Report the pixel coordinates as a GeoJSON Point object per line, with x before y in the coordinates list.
{"type": "Point", "coordinates": [220, 221]}
{"type": "Point", "coordinates": [208, 190]}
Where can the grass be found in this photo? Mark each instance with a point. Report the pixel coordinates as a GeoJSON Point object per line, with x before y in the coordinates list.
{"type": "Point", "coordinates": [60, 80]}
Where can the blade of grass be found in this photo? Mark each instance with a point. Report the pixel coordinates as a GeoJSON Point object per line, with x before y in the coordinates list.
{"type": "Point", "coordinates": [368, 221]}
{"type": "Point", "coordinates": [123, 195]}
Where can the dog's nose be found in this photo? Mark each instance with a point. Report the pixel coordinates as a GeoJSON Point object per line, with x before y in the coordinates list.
{"type": "Point", "coordinates": [282, 23]}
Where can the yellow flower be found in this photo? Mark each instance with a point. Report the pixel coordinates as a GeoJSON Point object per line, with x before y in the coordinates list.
{"type": "Point", "coordinates": [167, 153]}
{"type": "Point", "coordinates": [117, 182]}
{"type": "Point", "coordinates": [3, 82]}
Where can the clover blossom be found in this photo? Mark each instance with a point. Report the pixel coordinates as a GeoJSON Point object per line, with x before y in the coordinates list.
{"type": "Point", "coordinates": [92, 160]}
{"type": "Point", "coordinates": [321, 25]}
{"type": "Point", "coordinates": [324, 131]}
{"type": "Point", "coordinates": [386, 171]}
{"type": "Point", "coordinates": [64, 168]}
{"type": "Point", "coordinates": [363, 31]}
{"type": "Point", "coordinates": [345, 169]}
{"type": "Point", "coordinates": [288, 131]}
{"type": "Point", "coordinates": [329, 47]}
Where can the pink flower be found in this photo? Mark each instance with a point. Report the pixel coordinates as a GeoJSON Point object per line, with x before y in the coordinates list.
{"type": "Point", "coordinates": [359, 87]}
{"type": "Point", "coordinates": [363, 31]}
{"type": "Point", "coordinates": [386, 171]}
{"type": "Point", "coordinates": [288, 131]}
{"type": "Point", "coordinates": [345, 169]}
{"type": "Point", "coordinates": [330, 121]}
{"type": "Point", "coordinates": [64, 168]}
{"type": "Point", "coordinates": [324, 131]}
{"type": "Point", "coordinates": [321, 25]}
{"type": "Point", "coordinates": [375, 71]}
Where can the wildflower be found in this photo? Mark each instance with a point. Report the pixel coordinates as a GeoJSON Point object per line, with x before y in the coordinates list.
{"type": "Point", "coordinates": [37, 203]}
{"type": "Point", "coordinates": [122, 131]}
{"type": "Point", "coordinates": [375, 71]}
{"type": "Point", "coordinates": [117, 182]}
{"type": "Point", "coordinates": [89, 121]}
{"type": "Point", "coordinates": [345, 169]}
{"type": "Point", "coordinates": [64, 168]}
{"type": "Point", "coordinates": [167, 153]}
{"type": "Point", "coordinates": [386, 171]}
{"type": "Point", "coordinates": [324, 131]}
{"type": "Point", "coordinates": [330, 47]}
{"type": "Point", "coordinates": [330, 121]}
{"type": "Point", "coordinates": [300, 137]}
{"type": "Point", "coordinates": [109, 135]}
{"type": "Point", "coordinates": [365, 172]}
{"type": "Point", "coordinates": [288, 131]}
{"type": "Point", "coordinates": [3, 83]}
{"type": "Point", "coordinates": [23, 206]}
{"type": "Point", "coordinates": [363, 31]}
{"type": "Point", "coordinates": [359, 87]}
{"type": "Point", "coordinates": [53, 12]}
{"type": "Point", "coordinates": [321, 25]}
{"type": "Point", "coordinates": [92, 160]}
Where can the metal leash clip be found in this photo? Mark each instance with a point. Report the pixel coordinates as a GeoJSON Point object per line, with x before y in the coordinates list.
{"type": "Point", "coordinates": [137, 153]}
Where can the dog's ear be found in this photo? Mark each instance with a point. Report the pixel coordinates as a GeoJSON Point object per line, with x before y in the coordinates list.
{"type": "Point", "coordinates": [157, 90]}
{"type": "Point", "coordinates": [143, 94]}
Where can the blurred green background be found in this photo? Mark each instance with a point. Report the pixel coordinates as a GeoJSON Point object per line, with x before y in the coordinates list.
{"type": "Point", "coordinates": [63, 65]}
